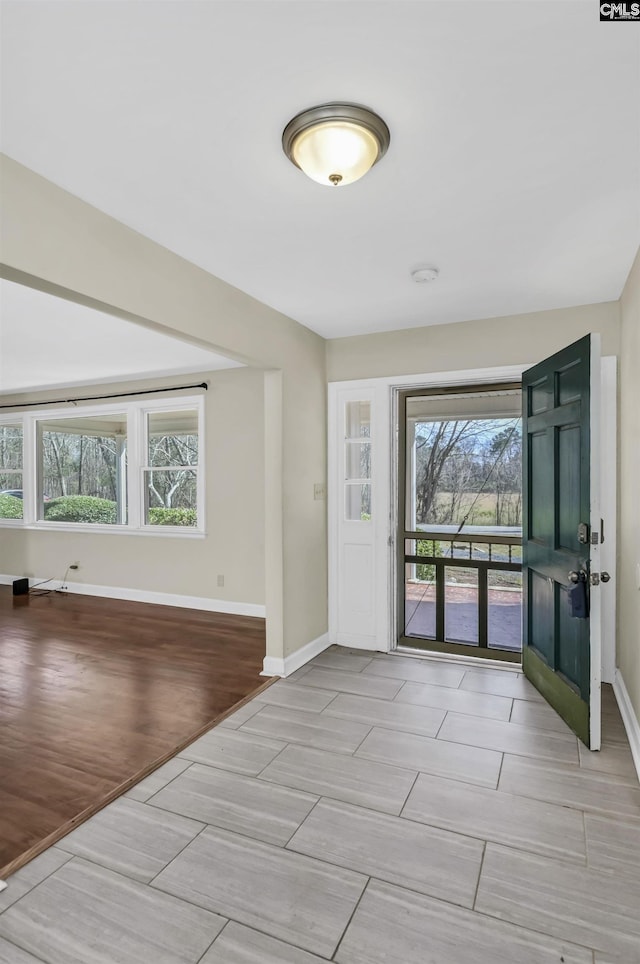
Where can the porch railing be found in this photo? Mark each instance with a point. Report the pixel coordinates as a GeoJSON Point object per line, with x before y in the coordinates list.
{"type": "Point", "coordinates": [487, 563]}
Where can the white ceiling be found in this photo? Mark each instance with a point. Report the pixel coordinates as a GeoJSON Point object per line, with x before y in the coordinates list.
{"type": "Point", "coordinates": [513, 163]}
{"type": "Point", "coordinates": [47, 342]}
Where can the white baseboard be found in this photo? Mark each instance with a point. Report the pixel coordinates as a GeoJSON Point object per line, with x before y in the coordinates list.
{"type": "Point", "coordinates": [629, 718]}
{"type": "Point", "coordinates": [148, 596]}
{"type": "Point", "coordinates": [273, 666]}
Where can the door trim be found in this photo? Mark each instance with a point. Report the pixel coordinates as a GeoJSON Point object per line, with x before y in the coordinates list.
{"type": "Point", "coordinates": [386, 389]}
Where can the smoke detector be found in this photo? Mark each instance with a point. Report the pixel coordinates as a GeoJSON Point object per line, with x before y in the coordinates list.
{"type": "Point", "coordinates": [424, 273]}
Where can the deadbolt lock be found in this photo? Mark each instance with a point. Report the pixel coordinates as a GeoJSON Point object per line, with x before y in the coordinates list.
{"type": "Point", "coordinates": [583, 533]}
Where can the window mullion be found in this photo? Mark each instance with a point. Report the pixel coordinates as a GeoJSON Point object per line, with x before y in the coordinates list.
{"type": "Point", "coordinates": [136, 448]}
{"type": "Point", "coordinates": [31, 470]}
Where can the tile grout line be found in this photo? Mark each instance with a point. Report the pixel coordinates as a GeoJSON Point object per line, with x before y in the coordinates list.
{"type": "Point", "coordinates": [368, 733]}
{"type": "Point", "coordinates": [163, 787]}
{"type": "Point", "coordinates": [475, 896]}
{"type": "Point", "coordinates": [586, 840]}
{"type": "Point", "coordinates": [431, 773]}
{"type": "Point", "coordinates": [353, 913]}
{"type": "Point", "coordinates": [332, 700]}
{"type": "Point", "coordinates": [186, 900]}
{"type": "Point", "coordinates": [500, 774]}
{"type": "Point", "coordinates": [548, 855]}
{"type": "Point", "coordinates": [487, 915]}
{"type": "Point", "coordinates": [256, 930]}
{"type": "Point", "coordinates": [395, 698]}
{"type": "Point", "coordinates": [285, 846]}
{"type": "Point", "coordinates": [50, 874]}
{"type": "Point", "coordinates": [150, 883]}
{"type": "Point", "coordinates": [380, 726]}
{"type": "Point", "coordinates": [411, 788]}
{"type": "Point", "coordinates": [257, 775]}
{"type": "Point", "coordinates": [10, 940]}
{"type": "Point", "coordinates": [534, 930]}
{"type": "Point", "coordinates": [441, 724]}
{"type": "Point", "coordinates": [238, 833]}
{"type": "Point", "coordinates": [219, 934]}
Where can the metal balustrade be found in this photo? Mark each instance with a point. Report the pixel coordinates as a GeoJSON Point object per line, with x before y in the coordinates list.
{"type": "Point", "coordinates": [464, 588]}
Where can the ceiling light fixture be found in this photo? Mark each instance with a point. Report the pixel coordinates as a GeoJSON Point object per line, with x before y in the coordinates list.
{"type": "Point", "coordinates": [335, 144]}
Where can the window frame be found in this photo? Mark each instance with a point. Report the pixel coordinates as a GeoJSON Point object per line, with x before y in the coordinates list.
{"type": "Point", "coordinates": [15, 421]}
{"type": "Point", "coordinates": [136, 413]}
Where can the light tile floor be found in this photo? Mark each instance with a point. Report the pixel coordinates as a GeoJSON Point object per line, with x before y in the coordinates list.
{"type": "Point", "coordinates": [369, 810]}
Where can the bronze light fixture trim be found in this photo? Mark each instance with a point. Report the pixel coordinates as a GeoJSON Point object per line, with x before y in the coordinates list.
{"type": "Point", "coordinates": [336, 144]}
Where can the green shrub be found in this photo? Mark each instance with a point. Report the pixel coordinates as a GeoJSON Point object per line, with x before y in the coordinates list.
{"type": "Point", "coordinates": [426, 572]}
{"type": "Point", "coordinates": [81, 508]}
{"type": "Point", "coordinates": [10, 507]}
{"type": "Point", "coordinates": [173, 517]}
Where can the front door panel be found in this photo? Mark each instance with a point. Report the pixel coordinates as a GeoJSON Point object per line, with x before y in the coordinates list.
{"type": "Point", "coordinates": [557, 535]}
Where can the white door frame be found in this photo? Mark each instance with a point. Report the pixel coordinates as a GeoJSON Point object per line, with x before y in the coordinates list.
{"type": "Point", "coordinates": [383, 393]}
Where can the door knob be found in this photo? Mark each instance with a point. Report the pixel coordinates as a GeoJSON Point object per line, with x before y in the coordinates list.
{"type": "Point", "coordinates": [576, 577]}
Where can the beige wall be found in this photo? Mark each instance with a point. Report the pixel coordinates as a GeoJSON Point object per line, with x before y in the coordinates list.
{"type": "Point", "coordinates": [629, 482]}
{"type": "Point", "coordinates": [234, 543]}
{"type": "Point", "coordinates": [517, 339]}
{"type": "Point", "coordinates": [59, 242]}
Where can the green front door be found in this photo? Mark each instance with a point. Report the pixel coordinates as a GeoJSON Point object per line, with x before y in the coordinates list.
{"type": "Point", "coordinates": [560, 654]}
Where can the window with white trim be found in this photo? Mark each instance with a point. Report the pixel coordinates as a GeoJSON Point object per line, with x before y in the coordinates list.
{"type": "Point", "coordinates": [134, 467]}
{"type": "Point", "coordinates": [170, 476]}
{"type": "Point", "coordinates": [11, 471]}
{"type": "Point", "coordinates": [82, 469]}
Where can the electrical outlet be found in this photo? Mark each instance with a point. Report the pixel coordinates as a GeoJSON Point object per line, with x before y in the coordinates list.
{"type": "Point", "coordinates": [221, 580]}
{"type": "Point", "coordinates": [319, 491]}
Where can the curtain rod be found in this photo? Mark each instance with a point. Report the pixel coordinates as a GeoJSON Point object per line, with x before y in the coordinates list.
{"type": "Point", "coordinates": [95, 398]}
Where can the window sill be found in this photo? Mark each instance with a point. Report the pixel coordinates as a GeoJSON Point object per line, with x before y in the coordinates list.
{"type": "Point", "coordinates": [171, 531]}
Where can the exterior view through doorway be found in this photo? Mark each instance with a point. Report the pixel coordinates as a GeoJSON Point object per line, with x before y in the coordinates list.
{"type": "Point", "coordinates": [460, 520]}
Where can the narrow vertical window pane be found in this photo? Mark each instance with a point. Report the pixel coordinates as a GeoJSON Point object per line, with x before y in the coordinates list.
{"type": "Point", "coordinates": [357, 460]}
{"type": "Point", "coordinates": [10, 447]}
{"type": "Point", "coordinates": [420, 599]}
{"type": "Point", "coordinates": [170, 478]}
{"type": "Point", "coordinates": [357, 420]}
{"type": "Point", "coordinates": [461, 605]}
{"type": "Point", "coordinates": [11, 472]}
{"type": "Point", "coordinates": [358, 502]}
{"type": "Point", "coordinates": [505, 610]}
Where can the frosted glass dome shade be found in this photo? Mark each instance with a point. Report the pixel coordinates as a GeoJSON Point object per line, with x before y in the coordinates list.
{"type": "Point", "coordinates": [335, 144]}
{"type": "Point", "coordinates": [335, 153]}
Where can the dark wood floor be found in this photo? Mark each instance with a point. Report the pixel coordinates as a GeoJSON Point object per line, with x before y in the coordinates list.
{"type": "Point", "coordinates": [95, 693]}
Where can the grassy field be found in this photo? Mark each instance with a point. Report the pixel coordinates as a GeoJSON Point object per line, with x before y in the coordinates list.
{"type": "Point", "coordinates": [483, 507]}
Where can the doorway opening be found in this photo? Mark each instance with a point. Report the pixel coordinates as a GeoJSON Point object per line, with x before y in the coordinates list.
{"type": "Point", "coordinates": [460, 520]}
